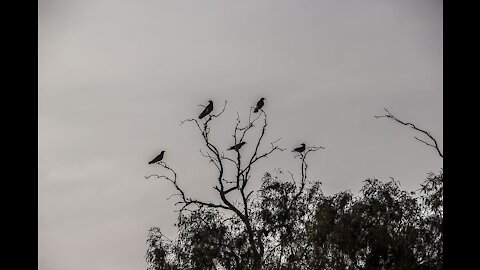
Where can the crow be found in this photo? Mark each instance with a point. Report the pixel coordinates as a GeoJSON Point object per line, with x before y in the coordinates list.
{"type": "Point", "coordinates": [299, 149]}
{"type": "Point", "coordinates": [238, 146]}
{"type": "Point", "coordinates": [259, 105]}
{"type": "Point", "coordinates": [157, 159]}
{"type": "Point", "coordinates": [207, 110]}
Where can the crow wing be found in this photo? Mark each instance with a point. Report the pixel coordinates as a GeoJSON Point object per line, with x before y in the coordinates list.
{"type": "Point", "coordinates": [157, 158]}
{"type": "Point", "coordinates": [207, 110]}
{"type": "Point", "coordinates": [299, 149]}
{"type": "Point", "coordinates": [260, 104]}
{"type": "Point", "coordinates": [237, 146]}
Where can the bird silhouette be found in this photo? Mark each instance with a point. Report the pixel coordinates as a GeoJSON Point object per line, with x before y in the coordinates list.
{"type": "Point", "coordinates": [299, 149]}
{"type": "Point", "coordinates": [207, 110]}
{"type": "Point", "coordinates": [157, 158]}
{"type": "Point", "coordinates": [259, 105]}
{"type": "Point", "coordinates": [237, 146]}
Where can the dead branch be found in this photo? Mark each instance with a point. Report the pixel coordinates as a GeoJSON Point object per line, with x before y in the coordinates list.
{"type": "Point", "coordinates": [255, 157]}
{"type": "Point", "coordinates": [433, 144]}
{"type": "Point", "coordinates": [304, 167]}
{"type": "Point", "coordinates": [186, 201]}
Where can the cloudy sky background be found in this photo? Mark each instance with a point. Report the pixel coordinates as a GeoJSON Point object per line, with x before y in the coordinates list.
{"type": "Point", "coordinates": [116, 78]}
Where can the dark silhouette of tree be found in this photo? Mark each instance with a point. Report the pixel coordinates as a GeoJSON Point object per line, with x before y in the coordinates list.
{"type": "Point", "coordinates": [290, 224]}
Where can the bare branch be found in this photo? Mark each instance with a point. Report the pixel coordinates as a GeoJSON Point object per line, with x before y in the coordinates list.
{"type": "Point", "coordinates": [254, 157]}
{"type": "Point", "coordinates": [304, 167]}
{"type": "Point", "coordinates": [264, 155]}
{"type": "Point", "coordinates": [249, 194]}
{"type": "Point", "coordinates": [186, 201]}
{"type": "Point", "coordinates": [230, 189]}
{"type": "Point", "coordinates": [221, 112]}
{"type": "Point", "coordinates": [228, 182]}
{"type": "Point", "coordinates": [223, 157]}
{"type": "Point", "coordinates": [211, 159]}
{"type": "Point", "coordinates": [434, 145]}
{"type": "Point", "coordinates": [425, 143]}
{"type": "Point", "coordinates": [192, 120]}
{"type": "Point", "coordinates": [174, 194]}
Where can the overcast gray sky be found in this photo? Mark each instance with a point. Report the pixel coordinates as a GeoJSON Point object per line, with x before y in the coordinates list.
{"type": "Point", "coordinates": [116, 77]}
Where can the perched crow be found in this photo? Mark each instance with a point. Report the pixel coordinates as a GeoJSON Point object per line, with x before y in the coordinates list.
{"type": "Point", "coordinates": [259, 105]}
{"type": "Point", "coordinates": [207, 110]}
{"type": "Point", "coordinates": [238, 146]}
{"type": "Point", "coordinates": [157, 159]}
{"type": "Point", "coordinates": [299, 149]}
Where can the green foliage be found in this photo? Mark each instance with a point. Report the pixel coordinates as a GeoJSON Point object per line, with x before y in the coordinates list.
{"type": "Point", "coordinates": [383, 227]}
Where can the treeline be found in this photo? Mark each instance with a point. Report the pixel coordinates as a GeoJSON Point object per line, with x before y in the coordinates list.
{"type": "Point", "coordinates": [382, 227]}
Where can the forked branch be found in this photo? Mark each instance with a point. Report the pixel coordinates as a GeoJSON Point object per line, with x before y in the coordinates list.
{"type": "Point", "coordinates": [433, 142]}
{"type": "Point", "coordinates": [184, 199]}
{"type": "Point", "coordinates": [304, 167]}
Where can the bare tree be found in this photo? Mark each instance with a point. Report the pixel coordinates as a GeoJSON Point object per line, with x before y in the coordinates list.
{"type": "Point", "coordinates": [433, 143]}
{"type": "Point", "coordinates": [236, 181]}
